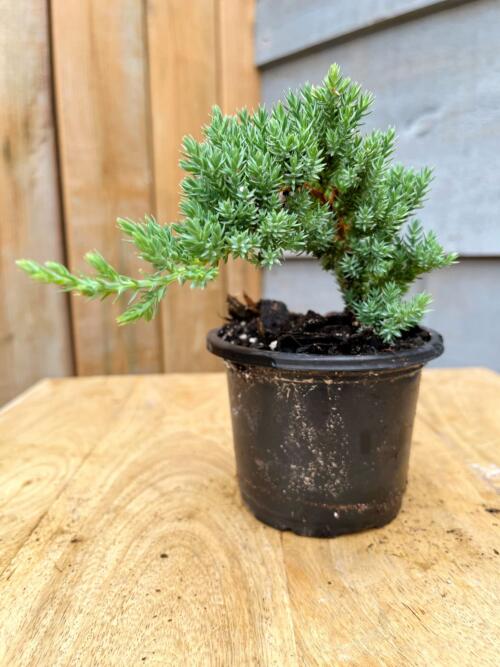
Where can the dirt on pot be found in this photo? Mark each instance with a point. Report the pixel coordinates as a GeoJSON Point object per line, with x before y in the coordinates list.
{"type": "Point", "coordinates": [269, 325]}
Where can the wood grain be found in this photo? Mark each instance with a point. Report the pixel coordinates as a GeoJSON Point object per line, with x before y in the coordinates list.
{"type": "Point", "coordinates": [238, 87]}
{"type": "Point", "coordinates": [129, 79]}
{"type": "Point", "coordinates": [424, 590]}
{"type": "Point", "coordinates": [130, 545]}
{"type": "Point", "coordinates": [151, 485]}
{"type": "Point", "coordinates": [183, 84]}
{"type": "Point", "coordinates": [102, 114]}
{"type": "Point", "coordinates": [34, 321]}
{"type": "Point", "coordinates": [38, 461]}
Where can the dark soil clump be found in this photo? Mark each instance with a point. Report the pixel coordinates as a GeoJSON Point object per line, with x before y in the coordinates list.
{"type": "Point", "coordinates": [269, 325]}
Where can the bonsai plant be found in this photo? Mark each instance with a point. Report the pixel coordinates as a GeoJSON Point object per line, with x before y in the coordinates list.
{"type": "Point", "coordinates": [322, 431]}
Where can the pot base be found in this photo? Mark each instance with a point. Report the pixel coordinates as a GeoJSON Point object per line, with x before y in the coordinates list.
{"type": "Point", "coordinates": [327, 521]}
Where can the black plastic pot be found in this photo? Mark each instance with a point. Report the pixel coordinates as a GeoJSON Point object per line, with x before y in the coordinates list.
{"type": "Point", "coordinates": [322, 443]}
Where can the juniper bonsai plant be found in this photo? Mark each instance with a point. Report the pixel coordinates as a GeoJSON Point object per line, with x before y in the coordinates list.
{"type": "Point", "coordinates": [322, 442]}
{"type": "Point", "coordinates": [301, 178]}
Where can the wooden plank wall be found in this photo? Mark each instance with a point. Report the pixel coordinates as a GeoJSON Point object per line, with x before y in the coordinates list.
{"type": "Point", "coordinates": [194, 59]}
{"type": "Point", "coordinates": [183, 67]}
{"type": "Point", "coordinates": [34, 321]}
{"type": "Point", "coordinates": [102, 117]}
{"type": "Point", "coordinates": [95, 98]}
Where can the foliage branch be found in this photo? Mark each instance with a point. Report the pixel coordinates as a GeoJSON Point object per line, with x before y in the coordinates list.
{"type": "Point", "coordinates": [299, 178]}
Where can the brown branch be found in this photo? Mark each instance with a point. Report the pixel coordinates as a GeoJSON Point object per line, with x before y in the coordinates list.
{"type": "Point", "coordinates": [320, 195]}
{"type": "Point", "coordinates": [317, 194]}
{"type": "Point", "coordinates": [341, 229]}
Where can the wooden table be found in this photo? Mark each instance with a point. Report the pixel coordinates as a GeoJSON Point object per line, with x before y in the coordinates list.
{"type": "Point", "coordinates": [124, 541]}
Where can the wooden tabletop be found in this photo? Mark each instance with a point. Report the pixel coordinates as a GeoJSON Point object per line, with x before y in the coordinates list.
{"type": "Point", "coordinates": [123, 540]}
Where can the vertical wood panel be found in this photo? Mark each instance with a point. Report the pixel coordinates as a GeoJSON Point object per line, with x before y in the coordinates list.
{"type": "Point", "coordinates": [99, 58]}
{"type": "Point", "coordinates": [238, 87]}
{"type": "Point", "coordinates": [183, 83]}
{"type": "Point", "coordinates": [34, 322]}
{"type": "Point", "coordinates": [200, 53]}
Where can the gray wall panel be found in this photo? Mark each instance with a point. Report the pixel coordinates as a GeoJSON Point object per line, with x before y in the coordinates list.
{"type": "Point", "coordinates": [465, 308]}
{"type": "Point", "coordinates": [437, 79]}
{"type": "Point", "coordinates": [302, 285]}
{"type": "Point", "coordinates": [286, 27]}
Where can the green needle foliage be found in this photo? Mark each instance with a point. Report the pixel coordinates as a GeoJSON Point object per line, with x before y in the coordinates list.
{"type": "Point", "coordinates": [298, 178]}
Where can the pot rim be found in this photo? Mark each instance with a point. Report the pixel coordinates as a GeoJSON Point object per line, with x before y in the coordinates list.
{"type": "Point", "coordinates": [417, 356]}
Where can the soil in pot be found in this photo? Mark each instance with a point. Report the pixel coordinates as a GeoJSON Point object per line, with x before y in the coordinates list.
{"type": "Point", "coordinates": [269, 325]}
{"type": "Point", "coordinates": [322, 416]}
